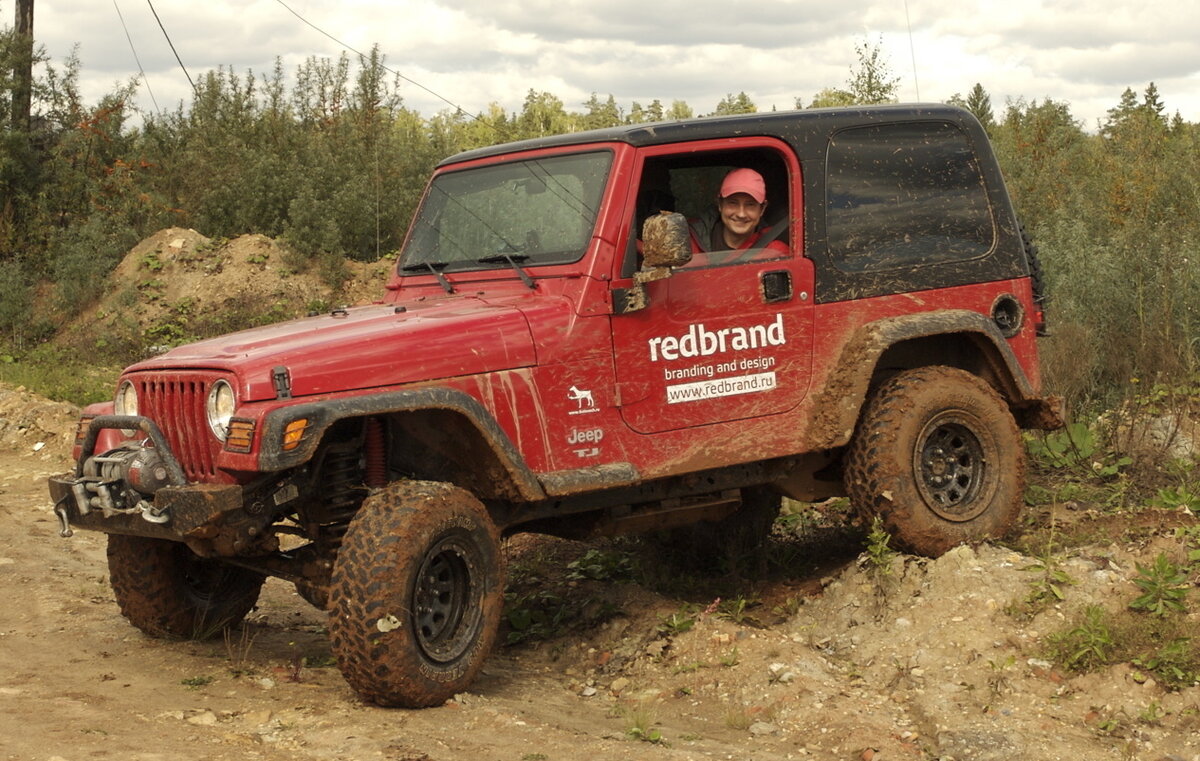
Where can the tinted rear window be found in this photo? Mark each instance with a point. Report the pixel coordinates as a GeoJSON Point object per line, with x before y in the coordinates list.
{"type": "Point", "coordinates": [904, 195]}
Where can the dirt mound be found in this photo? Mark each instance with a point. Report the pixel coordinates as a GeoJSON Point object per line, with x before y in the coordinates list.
{"type": "Point", "coordinates": [177, 283]}
{"type": "Point", "coordinates": [32, 424]}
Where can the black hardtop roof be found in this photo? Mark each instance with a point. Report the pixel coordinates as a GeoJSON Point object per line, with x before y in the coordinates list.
{"type": "Point", "coordinates": [791, 126]}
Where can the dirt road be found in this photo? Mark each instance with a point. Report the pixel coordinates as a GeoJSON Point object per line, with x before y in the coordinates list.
{"type": "Point", "coordinates": [932, 667]}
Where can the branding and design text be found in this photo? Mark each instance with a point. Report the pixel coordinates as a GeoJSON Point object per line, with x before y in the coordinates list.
{"type": "Point", "coordinates": [716, 379]}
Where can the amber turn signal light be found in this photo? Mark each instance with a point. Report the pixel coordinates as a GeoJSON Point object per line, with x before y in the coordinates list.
{"type": "Point", "coordinates": [240, 436]}
{"type": "Point", "coordinates": [293, 434]}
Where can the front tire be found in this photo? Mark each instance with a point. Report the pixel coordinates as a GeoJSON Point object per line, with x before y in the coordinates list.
{"type": "Point", "coordinates": [166, 590]}
{"type": "Point", "coordinates": [938, 456]}
{"type": "Point", "coordinates": [417, 594]}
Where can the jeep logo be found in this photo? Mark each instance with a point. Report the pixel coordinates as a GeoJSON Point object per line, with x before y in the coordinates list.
{"type": "Point", "coordinates": [586, 436]}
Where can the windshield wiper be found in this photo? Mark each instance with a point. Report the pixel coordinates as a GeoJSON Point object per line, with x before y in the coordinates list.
{"type": "Point", "coordinates": [512, 262]}
{"type": "Point", "coordinates": [435, 268]}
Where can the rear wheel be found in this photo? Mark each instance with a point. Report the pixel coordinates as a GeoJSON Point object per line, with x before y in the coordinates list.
{"type": "Point", "coordinates": [416, 595]}
{"type": "Point", "coordinates": [166, 590]}
{"type": "Point", "coordinates": [938, 456]}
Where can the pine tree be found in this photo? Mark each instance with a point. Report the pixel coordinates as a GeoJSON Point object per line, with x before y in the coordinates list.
{"type": "Point", "coordinates": [979, 103]}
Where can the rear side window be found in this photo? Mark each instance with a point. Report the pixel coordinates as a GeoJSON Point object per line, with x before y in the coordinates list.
{"type": "Point", "coordinates": [904, 195]}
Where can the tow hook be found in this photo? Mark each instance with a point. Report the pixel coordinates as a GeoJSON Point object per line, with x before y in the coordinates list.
{"type": "Point", "coordinates": [153, 514]}
{"type": "Point", "coordinates": [61, 511]}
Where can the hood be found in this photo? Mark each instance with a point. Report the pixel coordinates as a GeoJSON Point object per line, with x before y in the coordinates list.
{"type": "Point", "coordinates": [364, 347]}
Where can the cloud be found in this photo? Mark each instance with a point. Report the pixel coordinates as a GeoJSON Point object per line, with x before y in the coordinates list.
{"type": "Point", "coordinates": [684, 23]}
{"type": "Point", "coordinates": [475, 52]}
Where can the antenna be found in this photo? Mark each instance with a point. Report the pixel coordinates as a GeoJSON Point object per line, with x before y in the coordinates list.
{"type": "Point", "coordinates": [911, 51]}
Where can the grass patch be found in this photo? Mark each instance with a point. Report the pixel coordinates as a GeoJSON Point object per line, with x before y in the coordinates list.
{"type": "Point", "coordinates": [1162, 647]}
{"type": "Point", "coordinates": [641, 724]}
{"type": "Point", "coordinates": [61, 376]}
{"type": "Point", "coordinates": [556, 587]}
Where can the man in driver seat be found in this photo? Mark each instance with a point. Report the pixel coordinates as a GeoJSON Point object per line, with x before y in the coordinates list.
{"type": "Point", "coordinates": [737, 223]}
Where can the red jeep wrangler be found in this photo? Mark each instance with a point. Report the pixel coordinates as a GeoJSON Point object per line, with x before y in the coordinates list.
{"type": "Point", "coordinates": [545, 359]}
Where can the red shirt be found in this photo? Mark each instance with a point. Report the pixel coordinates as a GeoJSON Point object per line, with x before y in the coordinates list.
{"type": "Point", "coordinates": [717, 240]}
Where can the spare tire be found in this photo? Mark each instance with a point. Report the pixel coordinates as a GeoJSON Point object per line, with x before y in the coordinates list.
{"type": "Point", "coordinates": [1037, 277]}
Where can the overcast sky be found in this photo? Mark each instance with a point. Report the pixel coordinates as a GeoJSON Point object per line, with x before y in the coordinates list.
{"type": "Point", "coordinates": [474, 52]}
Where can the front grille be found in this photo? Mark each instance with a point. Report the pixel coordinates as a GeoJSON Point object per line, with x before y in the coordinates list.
{"type": "Point", "coordinates": [175, 401]}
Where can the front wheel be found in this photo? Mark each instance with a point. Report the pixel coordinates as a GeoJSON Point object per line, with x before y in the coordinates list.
{"type": "Point", "coordinates": [417, 594]}
{"type": "Point", "coordinates": [938, 456]}
{"type": "Point", "coordinates": [166, 590]}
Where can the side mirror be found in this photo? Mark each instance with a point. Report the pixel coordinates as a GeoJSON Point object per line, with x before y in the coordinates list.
{"type": "Point", "coordinates": [665, 241]}
{"type": "Point", "coordinates": [665, 244]}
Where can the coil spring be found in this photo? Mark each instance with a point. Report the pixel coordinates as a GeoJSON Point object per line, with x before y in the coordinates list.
{"type": "Point", "coordinates": [342, 476]}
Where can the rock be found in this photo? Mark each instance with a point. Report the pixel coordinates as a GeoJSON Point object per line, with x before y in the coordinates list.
{"type": "Point", "coordinates": [257, 718]}
{"type": "Point", "coordinates": [762, 728]}
{"type": "Point", "coordinates": [619, 685]}
{"type": "Point", "coordinates": [587, 692]}
{"type": "Point", "coordinates": [778, 672]}
{"type": "Point", "coordinates": [203, 719]}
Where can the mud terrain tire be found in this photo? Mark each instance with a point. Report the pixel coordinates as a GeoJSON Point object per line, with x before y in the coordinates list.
{"type": "Point", "coordinates": [166, 590]}
{"type": "Point", "coordinates": [937, 455]}
{"type": "Point", "coordinates": [417, 594]}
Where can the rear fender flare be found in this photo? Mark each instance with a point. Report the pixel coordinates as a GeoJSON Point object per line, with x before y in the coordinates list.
{"type": "Point", "coordinates": [837, 405]}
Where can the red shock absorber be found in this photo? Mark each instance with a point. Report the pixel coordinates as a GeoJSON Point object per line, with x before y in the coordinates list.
{"type": "Point", "coordinates": [375, 455]}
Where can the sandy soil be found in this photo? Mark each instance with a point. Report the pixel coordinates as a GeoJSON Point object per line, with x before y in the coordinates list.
{"type": "Point", "coordinates": [834, 663]}
{"type": "Point", "coordinates": [927, 665]}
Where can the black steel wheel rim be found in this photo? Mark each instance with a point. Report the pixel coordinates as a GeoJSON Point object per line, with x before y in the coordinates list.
{"type": "Point", "coordinates": [202, 579]}
{"type": "Point", "coordinates": [950, 468]}
{"type": "Point", "coordinates": [446, 605]}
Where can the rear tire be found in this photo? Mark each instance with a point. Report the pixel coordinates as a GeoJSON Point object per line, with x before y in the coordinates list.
{"type": "Point", "coordinates": [938, 456]}
{"type": "Point", "coordinates": [417, 594]}
{"type": "Point", "coordinates": [166, 590]}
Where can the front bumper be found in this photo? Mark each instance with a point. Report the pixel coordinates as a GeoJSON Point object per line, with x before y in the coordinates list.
{"type": "Point", "coordinates": [193, 511]}
{"type": "Point", "coordinates": [100, 499]}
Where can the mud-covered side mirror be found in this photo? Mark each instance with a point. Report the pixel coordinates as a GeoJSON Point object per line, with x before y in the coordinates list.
{"type": "Point", "coordinates": [665, 241]}
{"type": "Point", "coordinates": [665, 244]}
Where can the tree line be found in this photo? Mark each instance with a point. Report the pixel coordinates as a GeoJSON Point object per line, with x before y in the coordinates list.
{"type": "Point", "coordinates": [330, 160]}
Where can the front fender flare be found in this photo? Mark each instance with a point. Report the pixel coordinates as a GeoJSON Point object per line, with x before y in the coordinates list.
{"type": "Point", "coordinates": [322, 414]}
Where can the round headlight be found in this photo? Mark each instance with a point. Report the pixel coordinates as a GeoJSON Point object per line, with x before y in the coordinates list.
{"type": "Point", "coordinates": [126, 401]}
{"type": "Point", "coordinates": [221, 404]}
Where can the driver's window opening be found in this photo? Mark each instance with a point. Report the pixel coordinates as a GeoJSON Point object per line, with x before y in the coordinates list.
{"type": "Point", "coordinates": [691, 185]}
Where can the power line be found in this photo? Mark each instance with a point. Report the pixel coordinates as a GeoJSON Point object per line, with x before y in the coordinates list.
{"type": "Point", "coordinates": [439, 96]}
{"type": "Point", "coordinates": [912, 51]}
{"type": "Point", "coordinates": [145, 79]}
{"type": "Point", "coordinates": [164, 31]}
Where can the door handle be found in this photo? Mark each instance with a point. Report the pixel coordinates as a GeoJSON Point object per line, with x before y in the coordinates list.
{"type": "Point", "coordinates": [776, 286]}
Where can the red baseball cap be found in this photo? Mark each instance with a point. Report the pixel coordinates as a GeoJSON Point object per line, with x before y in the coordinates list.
{"type": "Point", "coordinates": [745, 181]}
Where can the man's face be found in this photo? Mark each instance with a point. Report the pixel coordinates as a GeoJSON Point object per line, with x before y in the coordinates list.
{"type": "Point", "coordinates": [741, 213]}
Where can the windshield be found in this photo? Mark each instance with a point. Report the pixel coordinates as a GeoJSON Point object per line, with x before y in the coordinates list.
{"type": "Point", "coordinates": [539, 211]}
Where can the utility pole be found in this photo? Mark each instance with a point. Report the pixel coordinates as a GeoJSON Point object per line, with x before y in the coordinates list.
{"type": "Point", "coordinates": [22, 101]}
